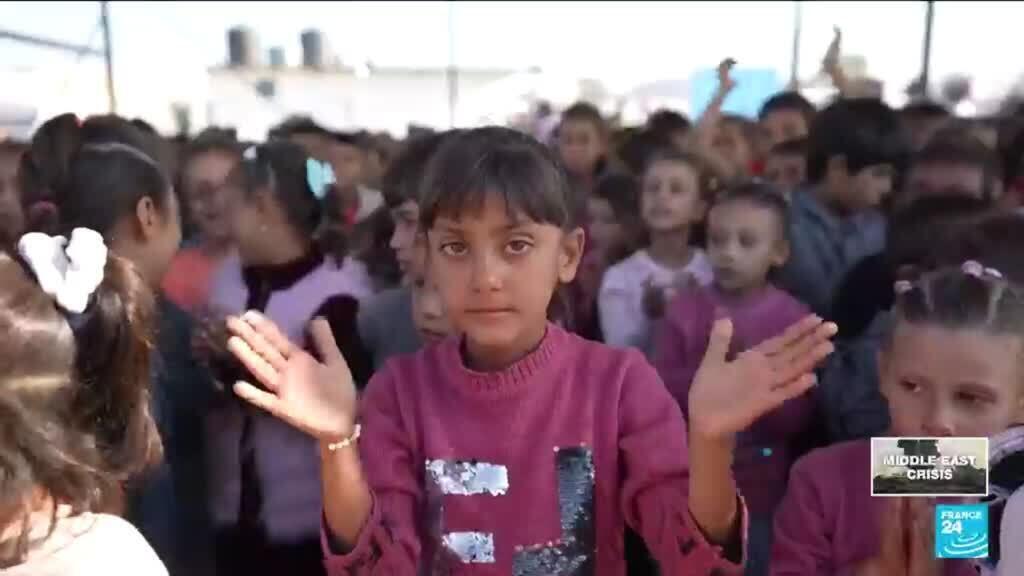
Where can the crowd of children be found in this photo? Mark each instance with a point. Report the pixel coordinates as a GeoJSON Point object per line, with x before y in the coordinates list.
{"type": "Point", "coordinates": [656, 349]}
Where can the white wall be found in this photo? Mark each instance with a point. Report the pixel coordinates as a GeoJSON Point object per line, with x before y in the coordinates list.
{"type": "Point", "coordinates": [386, 101]}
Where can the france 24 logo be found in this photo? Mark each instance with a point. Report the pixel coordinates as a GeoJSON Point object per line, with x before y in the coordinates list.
{"type": "Point", "coordinates": [961, 531]}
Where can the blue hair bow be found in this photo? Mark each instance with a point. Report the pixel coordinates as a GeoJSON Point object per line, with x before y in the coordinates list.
{"type": "Point", "coordinates": [319, 176]}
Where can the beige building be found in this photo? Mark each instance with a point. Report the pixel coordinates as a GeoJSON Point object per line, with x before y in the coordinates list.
{"type": "Point", "coordinates": [387, 99]}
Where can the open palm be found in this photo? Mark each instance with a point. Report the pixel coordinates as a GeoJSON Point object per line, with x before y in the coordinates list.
{"type": "Point", "coordinates": [727, 397]}
{"type": "Point", "coordinates": [316, 397]}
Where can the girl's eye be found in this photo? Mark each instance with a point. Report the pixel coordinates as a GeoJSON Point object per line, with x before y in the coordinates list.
{"type": "Point", "coordinates": [968, 399]}
{"type": "Point", "coordinates": [912, 387]}
{"type": "Point", "coordinates": [454, 249]}
{"type": "Point", "coordinates": [971, 400]}
{"type": "Point", "coordinates": [519, 246]}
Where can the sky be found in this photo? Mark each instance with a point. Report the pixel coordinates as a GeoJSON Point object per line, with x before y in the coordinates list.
{"type": "Point", "coordinates": [164, 48]}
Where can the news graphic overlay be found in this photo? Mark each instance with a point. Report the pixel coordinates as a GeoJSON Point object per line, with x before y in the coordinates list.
{"type": "Point", "coordinates": [929, 467]}
{"type": "Point", "coordinates": [961, 531]}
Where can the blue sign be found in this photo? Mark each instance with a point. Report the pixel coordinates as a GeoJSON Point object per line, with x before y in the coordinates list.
{"type": "Point", "coordinates": [753, 87]}
{"type": "Point", "coordinates": [961, 531]}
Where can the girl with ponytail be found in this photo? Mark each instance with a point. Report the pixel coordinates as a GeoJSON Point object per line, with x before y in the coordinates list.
{"type": "Point", "coordinates": [75, 425]}
{"type": "Point", "coordinates": [103, 174]}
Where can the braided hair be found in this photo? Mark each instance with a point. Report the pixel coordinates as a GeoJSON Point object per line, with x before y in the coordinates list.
{"type": "Point", "coordinates": [971, 296]}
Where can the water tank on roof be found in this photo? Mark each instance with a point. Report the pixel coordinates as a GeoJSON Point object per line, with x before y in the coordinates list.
{"type": "Point", "coordinates": [243, 48]}
{"type": "Point", "coordinates": [313, 52]}
{"type": "Point", "coordinates": [276, 57]}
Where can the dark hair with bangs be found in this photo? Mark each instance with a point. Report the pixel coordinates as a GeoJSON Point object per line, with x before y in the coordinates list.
{"type": "Point", "coordinates": [760, 194]}
{"type": "Point", "coordinates": [667, 122]}
{"type": "Point", "coordinates": [785, 101]}
{"type": "Point", "coordinates": [298, 126]}
{"type": "Point", "coordinates": [586, 112]}
{"type": "Point", "coordinates": [473, 164]}
{"type": "Point", "coordinates": [864, 131]}
{"type": "Point", "coordinates": [995, 240]}
{"type": "Point", "coordinates": [280, 166]}
{"type": "Point", "coordinates": [706, 181]}
{"type": "Point", "coordinates": [956, 145]}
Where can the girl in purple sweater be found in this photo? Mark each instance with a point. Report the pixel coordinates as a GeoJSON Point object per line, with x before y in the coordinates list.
{"type": "Point", "coordinates": [746, 240]}
{"type": "Point", "coordinates": [263, 475]}
{"type": "Point", "coordinates": [516, 447]}
{"type": "Point", "coordinates": [951, 367]}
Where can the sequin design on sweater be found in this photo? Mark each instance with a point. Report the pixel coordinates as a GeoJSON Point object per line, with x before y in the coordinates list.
{"type": "Point", "coordinates": [573, 554]}
{"type": "Point", "coordinates": [462, 478]}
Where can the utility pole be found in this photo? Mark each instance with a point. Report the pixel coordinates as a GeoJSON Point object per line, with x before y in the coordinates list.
{"type": "Point", "coordinates": [926, 52]}
{"type": "Point", "coordinates": [452, 73]}
{"type": "Point", "coordinates": [108, 55]}
{"type": "Point", "coordinates": [794, 70]}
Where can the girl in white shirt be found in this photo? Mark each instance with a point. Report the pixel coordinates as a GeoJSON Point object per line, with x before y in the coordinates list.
{"type": "Point", "coordinates": [634, 292]}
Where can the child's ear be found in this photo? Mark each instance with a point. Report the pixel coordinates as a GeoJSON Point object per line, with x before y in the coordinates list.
{"type": "Point", "coordinates": [570, 254]}
{"type": "Point", "coordinates": [147, 217]}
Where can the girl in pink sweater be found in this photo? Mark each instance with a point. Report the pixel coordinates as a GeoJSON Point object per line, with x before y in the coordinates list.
{"type": "Point", "coordinates": [516, 447]}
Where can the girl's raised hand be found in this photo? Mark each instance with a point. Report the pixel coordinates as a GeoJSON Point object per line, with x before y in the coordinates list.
{"type": "Point", "coordinates": [830, 63]}
{"type": "Point", "coordinates": [727, 397]}
{"type": "Point", "coordinates": [316, 397]}
{"type": "Point", "coordinates": [725, 81]}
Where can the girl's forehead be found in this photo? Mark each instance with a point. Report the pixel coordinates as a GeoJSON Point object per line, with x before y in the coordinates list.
{"type": "Point", "coordinates": [959, 355]}
{"type": "Point", "coordinates": [579, 125]}
{"type": "Point", "coordinates": [672, 167]}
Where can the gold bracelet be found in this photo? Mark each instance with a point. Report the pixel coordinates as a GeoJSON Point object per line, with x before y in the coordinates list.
{"type": "Point", "coordinates": [347, 441]}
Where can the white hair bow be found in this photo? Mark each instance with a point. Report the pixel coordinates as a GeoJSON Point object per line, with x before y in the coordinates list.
{"type": "Point", "coordinates": [67, 271]}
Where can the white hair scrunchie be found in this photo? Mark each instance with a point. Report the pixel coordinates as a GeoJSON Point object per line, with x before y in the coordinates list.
{"type": "Point", "coordinates": [69, 272]}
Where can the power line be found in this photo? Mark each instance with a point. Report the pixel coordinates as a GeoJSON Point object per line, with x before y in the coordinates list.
{"type": "Point", "coordinates": [77, 49]}
{"type": "Point", "coordinates": [49, 43]}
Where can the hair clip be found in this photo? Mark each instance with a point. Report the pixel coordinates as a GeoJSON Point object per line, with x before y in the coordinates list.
{"type": "Point", "coordinates": [68, 271]}
{"type": "Point", "coordinates": [902, 286]}
{"type": "Point", "coordinates": [250, 153]}
{"type": "Point", "coordinates": [319, 176]}
{"type": "Point", "coordinates": [974, 268]}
